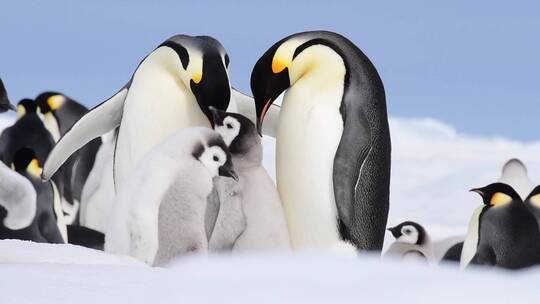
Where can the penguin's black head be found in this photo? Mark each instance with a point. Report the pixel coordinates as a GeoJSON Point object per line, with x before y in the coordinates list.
{"type": "Point", "coordinates": [25, 160]}
{"type": "Point", "coordinates": [205, 70]}
{"type": "Point", "coordinates": [26, 106]}
{"type": "Point", "coordinates": [533, 200]}
{"type": "Point", "coordinates": [5, 104]}
{"type": "Point", "coordinates": [215, 156]}
{"type": "Point", "coordinates": [50, 101]}
{"type": "Point", "coordinates": [237, 131]}
{"type": "Point", "coordinates": [497, 194]}
{"type": "Point", "coordinates": [409, 232]}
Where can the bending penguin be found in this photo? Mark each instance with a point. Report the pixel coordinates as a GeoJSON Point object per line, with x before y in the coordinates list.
{"type": "Point", "coordinates": [333, 142]}
{"type": "Point", "coordinates": [266, 227]}
{"type": "Point", "coordinates": [502, 232]}
{"type": "Point", "coordinates": [171, 89]}
{"type": "Point", "coordinates": [167, 217]}
{"type": "Point", "coordinates": [47, 225]}
{"type": "Point", "coordinates": [412, 242]}
{"type": "Point", "coordinates": [5, 104]}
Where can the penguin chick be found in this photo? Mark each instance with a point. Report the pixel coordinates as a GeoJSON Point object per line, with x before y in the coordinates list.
{"type": "Point", "coordinates": [18, 198]}
{"type": "Point", "coordinates": [533, 203]}
{"type": "Point", "coordinates": [160, 214]}
{"type": "Point", "coordinates": [5, 104]}
{"type": "Point", "coordinates": [506, 234]}
{"type": "Point", "coordinates": [266, 228]}
{"type": "Point", "coordinates": [412, 241]}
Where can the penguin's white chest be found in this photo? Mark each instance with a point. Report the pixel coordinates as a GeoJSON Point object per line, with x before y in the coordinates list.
{"type": "Point", "coordinates": [156, 106]}
{"type": "Point", "coordinates": [309, 131]}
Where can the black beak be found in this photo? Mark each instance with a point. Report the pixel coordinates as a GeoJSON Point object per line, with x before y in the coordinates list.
{"type": "Point", "coordinates": [395, 231]}
{"type": "Point", "coordinates": [228, 170]}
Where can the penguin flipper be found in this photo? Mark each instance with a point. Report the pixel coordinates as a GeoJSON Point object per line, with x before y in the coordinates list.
{"type": "Point", "coordinates": [245, 105]}
{"type": "Point", "coordinates": [100, 120]}
{"type": "Point", "coordinates": [350, 157]}
{"type": "Point", "coordinates": [484, 256]}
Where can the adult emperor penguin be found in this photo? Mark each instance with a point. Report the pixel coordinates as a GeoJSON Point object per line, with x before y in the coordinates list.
{"type": "Point", "coordinates": [412, 241]}
{"type": "Point", "coordinates": [266, 227]}
{"type": "Point", "coordinates": [533, 203]}
{"type": "Point", "coordinates": [502, 232]}
{"type": "Point", "coordinates": [161, 212]}
{"type": "Point", "coordinates": [47, 224]}
{"type": "Point", "coordinates": [171, 89]}
{"type": "Point", "coordinates": [333, 142]}
{"type": "Point", "coordinates": [5, 104]}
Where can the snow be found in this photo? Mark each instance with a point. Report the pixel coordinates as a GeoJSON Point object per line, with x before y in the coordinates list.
{"type": "Point", "coordinates": [433, 167]}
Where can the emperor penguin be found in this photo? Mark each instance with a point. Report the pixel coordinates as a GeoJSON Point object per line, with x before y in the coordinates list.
{"type": "Point", "coordinates": [5, 104]}
{"type": "Point", "coordinates": [47, 225]}
{"type": "Point", "coordinates": [333, 141]}
{"type": "Point", "coordinates": [17, 201]}
{"type": "Point", "coordinates": [171, 89]}
{"type": "Point", "coordinates": [266, 227]}
{"type": "Point", "coordinates": [161, 213]}
{"type": "Point", "coordinates": [514, 173]}
{"type": "Point", "coordinates": [412, 242]}
{"type": "Point", "coordinates": [533, 203]}
{"type": "Point", "coordinates": [502, 232]}
{"type": "Point", "coordinates": [59, 113]}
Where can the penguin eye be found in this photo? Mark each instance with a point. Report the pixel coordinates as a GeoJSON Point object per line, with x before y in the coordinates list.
{"type": "Point", "coordinates": [407, 231]}
{"type": "Point", "coordinates": [215, 158]}
{"type": "Point", "coordinates": [229, 126]}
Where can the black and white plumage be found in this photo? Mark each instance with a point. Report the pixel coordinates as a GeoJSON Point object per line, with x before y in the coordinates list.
{"type": "Point", "coordinates": [5, 104]}
{"type": "Point", "coordinates": [502, 232]}
{"type": "Point", "coordinates": [266, 227]}
{"type": "Point", "coordinates": [162, 211]}
{"type": "Point", "coordinates": [412, 241]}
{"type": "Point", "coordinates": [533, 203]}
{"type": "Point", "coordinates": [333, 141]}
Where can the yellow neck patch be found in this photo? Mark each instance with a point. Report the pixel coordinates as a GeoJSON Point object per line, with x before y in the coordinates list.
{"type": "Point", "coordinates": [500, 199]}
{"type": "Point", "coordinates": [535, 200]}
{"type": "Point", "coordinates": [56, 101]}
{"type": "Point", "coordinates": [34, 168]}
{"type": "Point", "coordinates": [197, 77]}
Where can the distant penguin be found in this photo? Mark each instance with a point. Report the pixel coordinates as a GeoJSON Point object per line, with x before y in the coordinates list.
{"type": "Point", "coordinates": [333, 140]}
{"type": "Point", "coordinates": [5, 104]}
{"type": "Point", "coordinates": [47, 224]}
{"type": "Point", "coordinates": [412, 242]}
{"type": "Point", "coordinates": [533, 203]}
{"type": "Point", "coordinates": [60, 113]}
{"type": "Point", "coordinates": [160, 214]}
{"type": "Point", "coordinates": [514, 173]}
{"type": "Point", "coordinates": [502, 232]}
{"type": "Point", "coordinates": [266, 227]}
{"type": "Point", "coordinates": [98, 193]}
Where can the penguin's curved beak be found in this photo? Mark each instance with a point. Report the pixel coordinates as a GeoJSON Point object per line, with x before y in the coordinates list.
{"type": "Point", "coordinates": [227, 170]}
{"type": "Point", "coordinates": [216, 117]}
{"type": "Point", "coordinates": [395, 232]}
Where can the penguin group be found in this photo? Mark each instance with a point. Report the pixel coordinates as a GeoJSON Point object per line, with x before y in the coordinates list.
{"type": "Point", "coordinates": [504, 231]}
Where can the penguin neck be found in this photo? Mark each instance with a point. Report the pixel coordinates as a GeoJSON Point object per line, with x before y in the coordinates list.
{"type": "Point", "coordinates": [250, 159]}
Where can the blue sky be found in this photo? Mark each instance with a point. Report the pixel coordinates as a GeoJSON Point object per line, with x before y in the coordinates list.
{"type": "Point", "coordinates": [473, 64]}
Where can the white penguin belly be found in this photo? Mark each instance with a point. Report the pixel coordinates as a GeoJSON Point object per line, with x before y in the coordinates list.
{"type": "Point", "coordinates": [309, 131]}
{"type": "Point", "coordinates": [156, 106]}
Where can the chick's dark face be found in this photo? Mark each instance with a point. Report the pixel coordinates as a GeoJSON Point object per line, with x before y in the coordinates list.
{"type": "Point", "coordinates": [213, 88]}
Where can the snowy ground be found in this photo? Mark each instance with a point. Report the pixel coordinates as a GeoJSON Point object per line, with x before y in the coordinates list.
{"type": "Point", "coordinates": [433, 167]}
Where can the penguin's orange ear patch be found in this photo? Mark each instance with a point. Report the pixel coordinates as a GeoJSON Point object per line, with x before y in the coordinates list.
{"type": "Point", "coordinates": [499, 199]}
{"type": "Point", "coordinates": [279, 64]}
{"type": "Point", "coordinates": [535, 200]}
{"type": "Point", "coordinates": [56, 101]}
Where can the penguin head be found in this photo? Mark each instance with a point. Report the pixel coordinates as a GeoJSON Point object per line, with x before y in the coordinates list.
{"type": "Point", "coordinates": [238, 132]}
{"type": "Point", "coordinates": [203, 69]}
{"type": "Point", "coordinates": [50, 101]}
{"type": "Point", "coordinates": [215, 156]}
{"type": "Point", "coordinates": [5, 104]}
{"type": "Point", "coordinates": [26, 106]}
{"type": "Point", "coordinates": [287, 61]}
{"type": "Point", "coordinates": [25, 160]}
{"type": "Point", "coordinates": [533, 200]}
{"type": "Point", "coordinates": [497, 194]}
{"type": "Point", "coordinates": [409, 232]}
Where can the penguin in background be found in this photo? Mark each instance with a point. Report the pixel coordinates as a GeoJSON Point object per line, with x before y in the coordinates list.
{"type": "Point", "coordinates": [412, 243]}
{"type": "Point", "coordinates": [47, 224]}
{"type": "Point", "coordinates": [333, 141]}
{"type": "Point", "coordinates": [17, 201]}
{"type": "Point", "coordinates": [59, 112]}
{"type": "Point", "coordinates": [5, 104]}
{"type": "Point", "coordinates": [162, 211]}
{"type": "Point", "coordinates": [533, 203]}
{"type": "Point", "coordinates": [502, 232]}
{"type": "Point", "coordinates": [266, 227]}
{"type": "Point", "coordinates": [515, 174]}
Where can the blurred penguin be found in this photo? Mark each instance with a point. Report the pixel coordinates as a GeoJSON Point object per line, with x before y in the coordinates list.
{"type": "Point", "coordinates": [5, 104]}
{"type": "Point", "coordinates": [514, 173]}
{"type": "Point", "coordinates": [412, 243]}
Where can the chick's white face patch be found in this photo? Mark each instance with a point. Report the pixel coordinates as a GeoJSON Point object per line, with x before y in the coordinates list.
{"type": "Point", "coordinates": [229, 130]}
{"type": "Point", "coordinates": [409, 235]}
{"type": "Point", "coordinates": [213, 158]}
